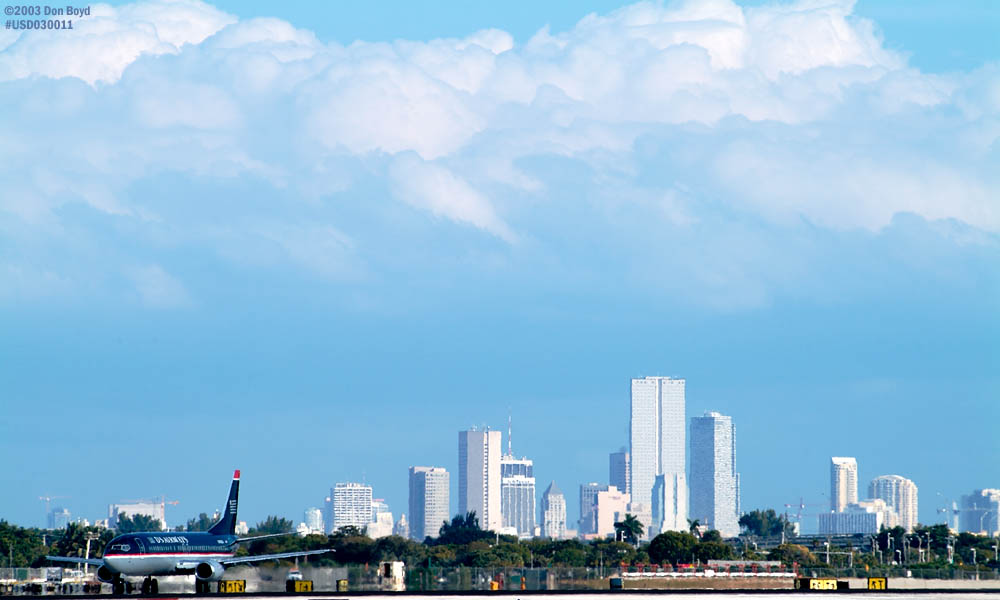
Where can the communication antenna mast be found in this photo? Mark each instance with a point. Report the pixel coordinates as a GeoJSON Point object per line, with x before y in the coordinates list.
{"type": "Point", "coordinates": [509, 451]}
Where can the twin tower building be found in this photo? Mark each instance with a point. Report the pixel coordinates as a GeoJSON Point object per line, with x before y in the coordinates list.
{"type": "Point", "coordinates": [651, 480]}
{"type": "Point", "coordinates": [663, 493]}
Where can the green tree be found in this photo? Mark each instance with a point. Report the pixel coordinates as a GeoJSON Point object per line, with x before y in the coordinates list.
{"type": "Point", "coordinates": [672, 546]}
{"type": "Point", "coordinates": [202, 523]}
{"type": "Point", "coordinates": [272, 524]}
{"type": "Point", "coordinates": [706, 551]}
{"type": "Point", "coordinates": [793, 553]}
{"type": "Point", "coordinates": [693, 527]}
{"type": "Point", "coordinates": [135, 523]}
{"type": "Point", "coordinates": [629, 529]}
{"type": "Point", "coordinates": [766, 523]}
{"type": "Point", "coordinates": [461, 530]}
{"type": "Point", "coordinates": [712, 535]}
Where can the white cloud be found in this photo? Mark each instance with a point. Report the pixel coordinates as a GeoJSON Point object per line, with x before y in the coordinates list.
{"type": "Point", "coordinates": [102, 45]}
{"type": "Point", "coordinates": [780, 113]}
{"type": "Point", "coordinates": [436, 189]}
{"type": "Point", "coordinates": [158, 289]}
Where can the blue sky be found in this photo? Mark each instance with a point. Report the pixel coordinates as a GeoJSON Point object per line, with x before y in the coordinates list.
{"type": "Point", "coordinates": [239, 242]}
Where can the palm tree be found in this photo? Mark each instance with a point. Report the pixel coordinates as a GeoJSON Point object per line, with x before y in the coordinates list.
{"type": "Point", "coordinates": [693, 527]}
{"type": "Point", "coordinates": [629, 529]}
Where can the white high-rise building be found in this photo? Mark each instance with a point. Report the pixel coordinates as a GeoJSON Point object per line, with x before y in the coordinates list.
{"type": "Point", "coordinates": [517, 495]}
{"type": "Point", "coordinates": [313, 518]}
{"type": "Point", "coordinates": [352, 505]}
{"type": "Point", "coordinates": [429, 501]}
{"type": "Point", "coordinates": [612, 505]}
{"type": "Point", "coordinates": [553, 513]}
{"type": "Point", "coordinates": [150, 508]}
{"type": "Point", "coordinates": [657, 444]}
{"type": "Point", "coordinates": [979, 512]}
{"type": "Point", "coordinates": [866, 517]}
{"type": "Point", "coordinates": [381, 524]}
{"type": "Point", "coordinates": [618, 470]}
{"type": "Point", "coordinates": [670, 504]}
{"type": "Point", "coordinates": [900, 494]}
{"type": "Point", "coordinates": [713, 478]}
{"type": "Point", "coordinates": [479, 476]}
{"type": "Point", "coordinates": [843, 482]}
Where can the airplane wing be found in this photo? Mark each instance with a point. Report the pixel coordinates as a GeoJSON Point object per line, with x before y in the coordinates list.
{"type": "Point", "coordinates": [260, 557]}
{"type": "Point", "coordinates": [97, 562]}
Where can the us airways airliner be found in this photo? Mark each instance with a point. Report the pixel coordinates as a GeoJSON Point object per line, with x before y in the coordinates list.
{"type": "Point", "coordinates": [205, 554]}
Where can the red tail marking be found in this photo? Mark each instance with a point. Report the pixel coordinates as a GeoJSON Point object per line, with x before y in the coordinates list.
{"type": "Point", "coordinates": [236, 474]}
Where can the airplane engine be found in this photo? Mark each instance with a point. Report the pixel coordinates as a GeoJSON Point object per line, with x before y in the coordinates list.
{"type": "Point", "coordinates": [209, 571]}
{"type": "Point", "coordinates": [105, 575]}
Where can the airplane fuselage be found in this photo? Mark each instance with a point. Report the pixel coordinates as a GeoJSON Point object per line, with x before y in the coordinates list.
{"type": "Point", "coordinates": [166, 553]}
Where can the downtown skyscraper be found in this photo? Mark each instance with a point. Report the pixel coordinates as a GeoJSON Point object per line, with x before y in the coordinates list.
{"type": "Point", "coordinates": [553, 513]}
{"type": "Point", "coordinates": [479, 476]}
{"type": "Point", "coordinates": [713, 478]}
{"type": "Point", "coordinates": [657, 447]}
{"type": "Point", "coordinates": [899, 494]}
{"type": "Point", "coordinates": [429, 501]}
{"type": "Point", "coordinates": [352, 505]}
{"type": "Point", "coordinates": [843, 482]}
{"type": "Point", "coordinates": [517, 495]}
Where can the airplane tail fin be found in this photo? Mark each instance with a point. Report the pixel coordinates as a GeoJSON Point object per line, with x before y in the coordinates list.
{"type": "Point", "coordinates": [227, 524]}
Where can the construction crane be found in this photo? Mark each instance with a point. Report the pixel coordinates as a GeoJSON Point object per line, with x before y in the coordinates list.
{"type": "Point", "coordinates": [802, 504]}
{"type": "Point", "coordinates": [48, 502]}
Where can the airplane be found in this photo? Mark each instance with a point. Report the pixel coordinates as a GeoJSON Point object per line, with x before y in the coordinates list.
{"type": "Point", "coordinates": [206, 554]}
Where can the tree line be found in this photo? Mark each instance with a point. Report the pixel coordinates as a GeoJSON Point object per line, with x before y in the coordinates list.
{"type": "Point", "coordinates": [462, 542]}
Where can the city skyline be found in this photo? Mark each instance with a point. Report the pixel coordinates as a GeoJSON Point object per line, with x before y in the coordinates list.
{"type": "Point", "coordinates": [346, 231]}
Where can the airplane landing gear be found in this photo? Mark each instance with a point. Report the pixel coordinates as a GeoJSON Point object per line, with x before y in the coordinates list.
{"type": "Point", "coordinates": [150, 587]}
{"type": "Point", "coordinates": [201, 587]}
{"type": "Point", "coordinates": [118, 586]}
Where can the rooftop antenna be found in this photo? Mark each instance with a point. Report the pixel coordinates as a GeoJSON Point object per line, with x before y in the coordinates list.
{"type": "Point", "coordinates": [509, 451]}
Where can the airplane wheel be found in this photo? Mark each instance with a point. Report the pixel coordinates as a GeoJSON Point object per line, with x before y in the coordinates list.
{"type": "Point", "coordinates": [129, 588]}
{"type": "Point", "coordinates": [118, 587]}
{"type": "Point", "coordinates": [154, 587]}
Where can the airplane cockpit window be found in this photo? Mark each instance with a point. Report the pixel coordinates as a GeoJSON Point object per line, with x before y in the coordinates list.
{"type": "Point", "coordinates": [119, 548]}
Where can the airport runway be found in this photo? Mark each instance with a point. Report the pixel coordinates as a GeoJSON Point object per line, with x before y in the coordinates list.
{"type": "Point", "coordinates": [923, 594]}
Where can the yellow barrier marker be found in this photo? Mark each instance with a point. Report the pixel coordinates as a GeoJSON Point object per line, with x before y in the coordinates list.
{"type": "Point", "coordinates": [822, 584]}
{"type": "Point", "coordinates": [233, 586]}
{"type": "Point", "coordinates": [878, 583]}
{"type": "Point", "coordinates": [304, 585]}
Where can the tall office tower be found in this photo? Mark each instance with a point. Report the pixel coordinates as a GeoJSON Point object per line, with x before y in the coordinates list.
{"type": "Point", "coordinates": [843, 482]}
{"type": "Point", "coordinates": [713, 478]}
{"type": "Point", "coordinates": [900, 494]}
{"type": "Point", "coordinates": [313, 518]}
{"type": "Point", "coordinates": [59, 518]}
{"type": "Point", "coordinates": [479, 476]}
{"type": "Point", "coordinates": [151, 508]}
{"type": "Point", "coordinates": [618, 467]}
{"type": "Point", "coordinates": [517, 495]}
{"type": "Point", "coordinates": [588, 500]}
{"type": "Point", "coordinates": [670, 504]}
{"type": "Point", "coordinates": [352, 505]}
{"type": "Point", "coordinates": [429, 501]}
{"type": "Point", "coordinates": [553, 513]}
{"type": "Point", "coordinates": [656, 442]}
{"type": "Point", "coordinates": [381, 523]}
{"type": "Point", "coordinates": [611, 506]}
{"type": "Point", "coordinates": [979, 512]}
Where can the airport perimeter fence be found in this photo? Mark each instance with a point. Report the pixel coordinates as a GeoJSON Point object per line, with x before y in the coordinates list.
{"type": "Point", "coordinates": [448, 579]}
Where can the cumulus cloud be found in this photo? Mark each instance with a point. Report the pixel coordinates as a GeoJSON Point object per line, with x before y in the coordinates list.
{"type": "Point", "coordinates": [685, 116]}
{"type": "Point", "coordinates": [103, 44]}
{"type": "Point", "coordinates": [157, 288]}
